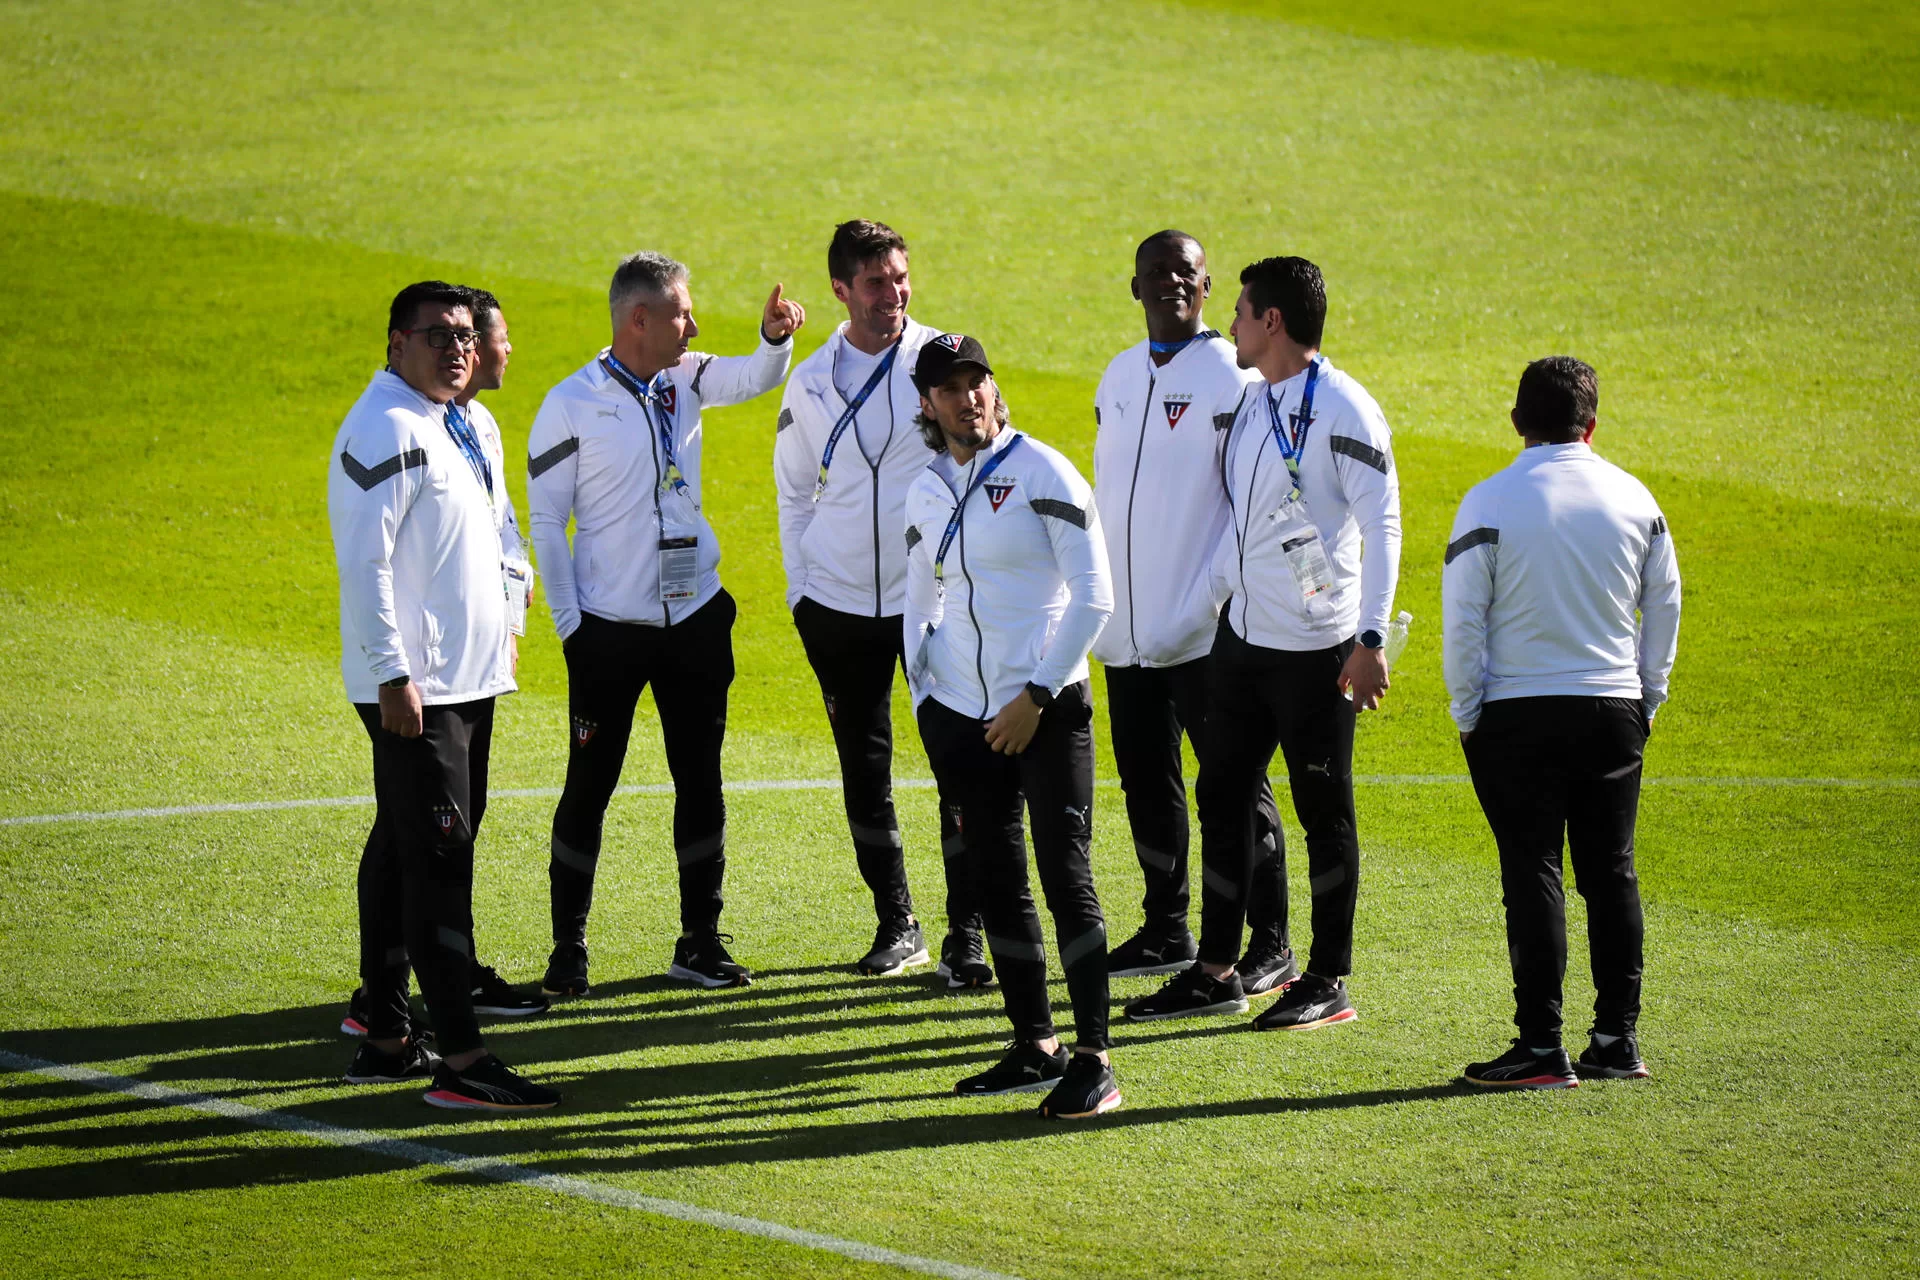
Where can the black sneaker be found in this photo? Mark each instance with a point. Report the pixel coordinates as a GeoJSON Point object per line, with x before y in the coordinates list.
{"type": "Point", "coordinates": [1266, 968]}
{"type": "Point", "coordinates": [704, 959]}
{"type": "Point", "coordinates": [488, 1085]}
{"type": "Point", "coordinates": [371, 1065]}
{"type": "Point", "coordinates": [963, 960]}
{"type": "Point", "coordinates": [492, 995]}
{"type": "Point", "coordinates": [1087, 1089]}
{"type": "Point", "coordinates": [1522, 1068]}
{"type": "Point", "coordinates": [897, 943]}
{"type": "Point", "coordinates": [1617, 1061]}
{"type": "Point", "coordinates": [1308, 1001]}
{"type": "Point", "coordinates": [566, 971]}
{"type": "Point", "coordinates": [1190, 994]}
{"type": "Point", "coordinates": [1150, 952]}
{"type": "Point", "coordinates": [1024, 1069]}
{"type": "Point", "coordinates": [355, 1023]}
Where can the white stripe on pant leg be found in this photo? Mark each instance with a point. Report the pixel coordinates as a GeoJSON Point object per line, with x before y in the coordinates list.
{"type": "Point", "coordinates": [832, 784]}
{"type": "Point", "coordinates": [488, 1167]}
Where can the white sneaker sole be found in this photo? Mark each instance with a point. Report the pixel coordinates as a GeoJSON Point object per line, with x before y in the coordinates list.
{"type": "Point", "coordinates": [1109, 1103]}
{"type": "Point", "coordinates": [679, 973]}
{"type": "Point", "coordinates": [454, 1102]}
{"type": "Point", "coordinates": [501, 1011]}
{"type": "Point", "coordinates": [918, 957]}
{"type": "Point", "coordinates": [1204, 1011]}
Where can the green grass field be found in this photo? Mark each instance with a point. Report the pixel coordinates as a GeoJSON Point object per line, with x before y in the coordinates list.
{"type": "Point", "coordinates": [207, 206]}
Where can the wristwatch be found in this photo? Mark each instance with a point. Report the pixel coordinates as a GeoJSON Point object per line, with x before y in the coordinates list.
{"type": "Point", "coordinates": [398, 682]}
{"type": "Point", "coordinates": [1371, 640]}
{"type": "Point", "coordinates": [1041, 695]}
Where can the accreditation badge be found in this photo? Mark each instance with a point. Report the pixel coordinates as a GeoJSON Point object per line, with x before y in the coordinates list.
{"type": "Point", "coordinates": [1306, 554]}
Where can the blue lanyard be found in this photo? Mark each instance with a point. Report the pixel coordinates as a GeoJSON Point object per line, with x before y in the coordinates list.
{"type": "Point", "coordinates": [1293, 447]}
{"type": "Point", "coordinates": [953, 521]}
{"type": "Point", "coordinates": [463, 435]}
{"type": "Point", "coordinates": [853, 411]}
{"type": "Point", "coordinates": [652, 398]}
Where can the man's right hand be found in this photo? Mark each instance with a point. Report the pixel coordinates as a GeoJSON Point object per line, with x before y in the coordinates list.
{"type": "Point", "coordinates": [400, 710]}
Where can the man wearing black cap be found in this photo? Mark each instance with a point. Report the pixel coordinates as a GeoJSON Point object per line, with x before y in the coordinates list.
{"type": "Point", "coordinates": [1007, 587]}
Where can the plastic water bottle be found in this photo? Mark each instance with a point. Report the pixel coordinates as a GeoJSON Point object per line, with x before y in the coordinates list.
{"type": "Point", "coordinates": [1397, 636]}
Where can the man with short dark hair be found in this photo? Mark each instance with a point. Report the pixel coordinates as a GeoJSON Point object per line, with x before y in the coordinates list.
{"type": "Point", "coordinates": [1299, 649]}
{"type": "Point", "coordinates": [1007, 586]}
{"type": "Point", "coordinates": [637, 598]}
{"type": "Point", "coordinates": [425, 651]}
{"type": "Point", "coordinates": [1162, 410]}
{"type": "Point", "coordinates": [845, 451]}
{"type": "Point", "coordinates": [1561, 597]}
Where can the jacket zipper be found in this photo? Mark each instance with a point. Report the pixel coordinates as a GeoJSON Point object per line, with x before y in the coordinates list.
{"type": "Point", "coordinates": [1133, 486]}
{"type": "Point", "coordinates": [979, 640]}
{"type": "Point", "coordinates": [659, 516]}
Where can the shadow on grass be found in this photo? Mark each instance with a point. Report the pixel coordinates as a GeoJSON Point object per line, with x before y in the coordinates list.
{"type": "Point", "coordinates": [733, 1106]}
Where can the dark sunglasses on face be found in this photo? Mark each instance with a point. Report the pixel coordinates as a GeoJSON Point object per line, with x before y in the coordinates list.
{"type": "Point", "coordinates": [439, 337]}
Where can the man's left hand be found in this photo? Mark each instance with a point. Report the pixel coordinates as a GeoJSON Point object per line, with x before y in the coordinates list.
{"type": "Point", "coordinates": [1014, 727]}
{"type": "Point", "coordinates": [515, 642]}
{"type": "Point", "coordinates": [781, 317]}
{"type": "Point", "coordinates": [1365, 677]}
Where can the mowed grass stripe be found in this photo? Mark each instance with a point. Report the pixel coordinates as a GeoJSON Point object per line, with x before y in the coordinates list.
{"type": "Point", "coordinates": [492, 1168]}
{"type": "Point", "coordinates": [751, 785]}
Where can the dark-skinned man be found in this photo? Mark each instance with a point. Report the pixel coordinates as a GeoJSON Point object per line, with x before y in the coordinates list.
{"type": "Point", "coordinates": [845, 451]}
{"type": "Point", "coordinates": [1162, 410]}
{"type": "Point", "coordinates": [1007, 586]}
{"type": "Point", "coordinates": [637, 598]}
{"type": "Point", "coordinates": [1307, 572]}
{"type": "Point", "coordinates": [426, 648]}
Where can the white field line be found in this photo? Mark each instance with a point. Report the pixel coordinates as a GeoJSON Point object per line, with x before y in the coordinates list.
{"type": "Point", "coordinates": [830, 784]}
{"type": "Point", "coordinates": [492, 1167]}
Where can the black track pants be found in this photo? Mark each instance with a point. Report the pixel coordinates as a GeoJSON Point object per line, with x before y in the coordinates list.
{"type": "Point", "coordinates": [690, 665]}
{"type": "Point", "coordinates": [1053, 779]}
{"type": "Point", "coordinates": [1544, 769]}
{"type": "Point", "coordinates": [1262, 700]}
{"type": "Point", "coordinates": [854, 656]}
{"type": "Point", "coordinates": [1148, 708]}
{"type": "Point", "coordinates": [416, 872]}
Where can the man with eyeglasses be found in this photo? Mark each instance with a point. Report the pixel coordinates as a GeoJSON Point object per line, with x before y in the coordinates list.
{"type": "Point", "coordinates": [636, 596]}
{"type": "Point", "coordinates": [493, 996]}
{"type": "Point", "coordinates": [426, 649]}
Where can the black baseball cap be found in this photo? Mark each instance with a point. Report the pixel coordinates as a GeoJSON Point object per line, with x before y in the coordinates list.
{"type": "Point", "coordinates": [941, 356]}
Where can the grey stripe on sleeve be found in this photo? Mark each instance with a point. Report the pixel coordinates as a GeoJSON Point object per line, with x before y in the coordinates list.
{"type": "Point", "coordinates": [1471, 539]}
{"type": "Point", "coordinates": [700, 373]}
{"type": "Point", "coordinates": [1360, 451]}
{"type": "Point", "coordinates": [1059, 510]}
{"type": "Point", "coordinates": [537, 467]}
{"type": "Point", "coordinates": [913, 536]}
{"type": "Point", "coordinates": [785, 421]}
{"type": "Point", "coordinates": [1659, 527]}
{"type": "Point", "coordinates": [367, 477]}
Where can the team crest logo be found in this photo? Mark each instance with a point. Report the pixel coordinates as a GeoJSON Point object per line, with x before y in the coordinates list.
{"type": "Point", "coordinates": [583, 731]}
{"type": "Point", "coordinates": [444, 817]}
{"type": "Point", "coordinates": [1176, 407]}
{"type": "Point", "coordinates": [997, 491]}
{"type": "Point", "coordinates": [668, 396]}
{"type": "Point", "coordinates": [951, 341]}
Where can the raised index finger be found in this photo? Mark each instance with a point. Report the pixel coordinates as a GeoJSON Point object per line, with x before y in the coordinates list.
{"type": "Point", "coordinates": [773, 299]}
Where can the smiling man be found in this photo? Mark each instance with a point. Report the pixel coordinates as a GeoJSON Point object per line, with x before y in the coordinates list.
{"type": "Point", "coordinates": [845, 451]}
{"type": "Point", "coordinates": [637, 598]}
{"type": "Point", "coordinates": [1007, 586]}
{"type": "Point", "coordinates": [1161, 410]}
{"type": "Point", "coordinates": [425, 651]}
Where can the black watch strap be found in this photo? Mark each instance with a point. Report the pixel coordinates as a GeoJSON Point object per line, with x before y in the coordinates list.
{"type": "Point", "coordinates": [1371, 640]}
{"type": "Point", "coordinates": [398, 682]}
{"type": "Point", "coordinates": [1041, 695]}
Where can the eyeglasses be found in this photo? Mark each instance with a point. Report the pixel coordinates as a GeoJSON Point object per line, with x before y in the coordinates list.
{"type": "Point", "coordinates": [439, 337]}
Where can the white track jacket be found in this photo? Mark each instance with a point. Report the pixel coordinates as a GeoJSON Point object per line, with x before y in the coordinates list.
{"type": "Point", "coordinates": [1560, 580]}
{"type": "Point", "coordinates": [1351, 492]}
{"type": "Point", "coordinates": [1027, 587]}
{"type": "Point", "coordinates": [418, 552]}
{"type": "Point", "coordinates": [595, 456]}
{"type": "Point", "coordinates": [1156, 480]}
{"type": "Point", "coordinates": [844, 551]}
